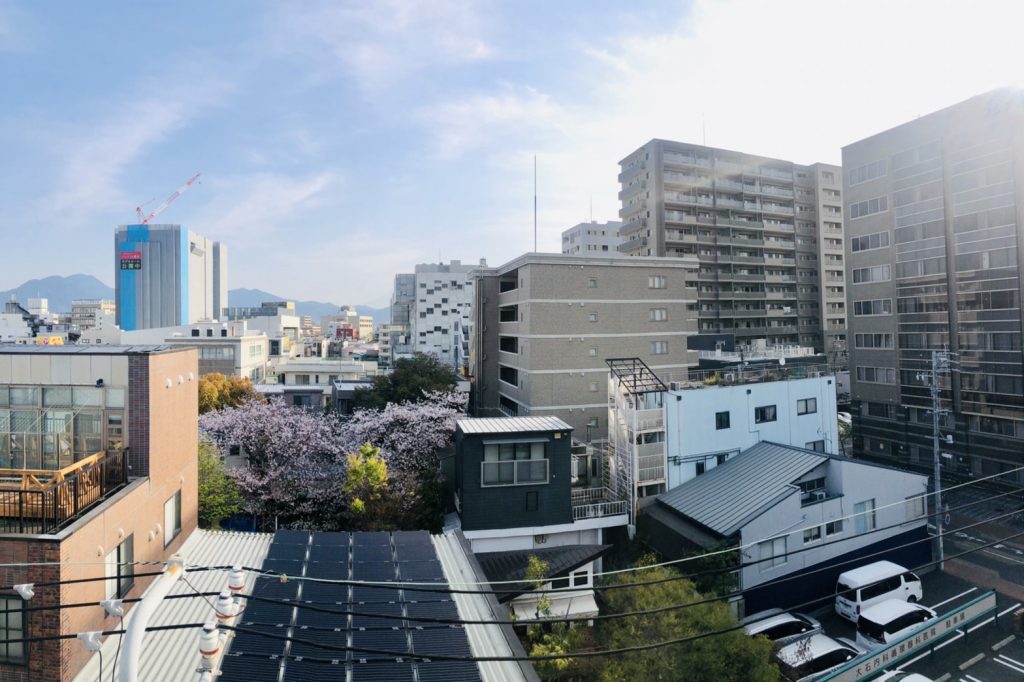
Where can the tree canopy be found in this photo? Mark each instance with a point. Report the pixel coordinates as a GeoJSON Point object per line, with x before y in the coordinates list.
{"type": "Point", "coordinates": [409, 382]}
{"type": "Point", "coordinates": [217, 391]}
{"type": "Point", "coordinates": [219, 496]}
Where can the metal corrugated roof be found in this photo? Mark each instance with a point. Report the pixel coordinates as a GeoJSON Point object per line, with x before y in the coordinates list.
{"type": "Point", "coordinates": [728, 496]}
{"type": "Point", "coordinates": [174, 654]}
{"type": "Point", "coordinates": [512, 425]}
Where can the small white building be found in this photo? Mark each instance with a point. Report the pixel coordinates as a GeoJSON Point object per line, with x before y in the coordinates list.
{"type": "Point", "coordinates": [224, 347]}
{"type": "Point", "coordinates": [592, 239]}
{"type": "Point", "coordinates": [794, 512]}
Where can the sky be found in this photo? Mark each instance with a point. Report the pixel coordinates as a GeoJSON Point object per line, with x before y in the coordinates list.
{"type": "Point", "coordinates": [343, 142]}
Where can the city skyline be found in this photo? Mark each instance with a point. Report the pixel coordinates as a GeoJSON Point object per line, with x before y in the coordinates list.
{"type": "Point", "coordinates": [337, 129]}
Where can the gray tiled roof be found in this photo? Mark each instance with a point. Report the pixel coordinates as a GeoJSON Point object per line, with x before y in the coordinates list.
{"type": "Point", "coordinates": [731, 494]}
{"type": "Point", "coordinates": [512, 425]}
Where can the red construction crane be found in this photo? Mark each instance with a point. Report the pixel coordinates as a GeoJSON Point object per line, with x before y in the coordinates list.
{"type": "Point", "coordinates": [144, 219]}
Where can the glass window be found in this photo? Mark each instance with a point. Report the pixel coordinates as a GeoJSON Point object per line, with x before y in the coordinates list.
{"type": "Point", "coordinates": [115, 397]}
{"type": "Point", "coordinates": [88, 397]}
{"type": "Point", "coordinates": [833, 527]}
{"type": "Point", "coordinates": [764, 414]}
{"type": "Point", "coordinates": [807, 406]}
{"type": "Point", "coordinates": [172, 518]}
{"type": "Point", "coordinates": [13, 626]}
{"type": "Point", "coordinates": [772, 553]}
{"type": "Point", "coordinates": [812, 534]}
{"type": "Point", "coordinates": [24, 396]}
{"type": "Point", "coordinates": [721, 420]}
{"type": "Point", "coordinates": [120, 568]}
{"type": "Point", "coordinates": [57, 396]}
{"type": "Point", "coordinates": [864, 516]}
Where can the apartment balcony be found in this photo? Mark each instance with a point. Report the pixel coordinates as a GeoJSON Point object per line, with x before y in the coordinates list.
{"type": "Point", "coordinates": [729, 185]}
{"type": "Point", "coordinates": [775, 312]}
{"type": "Point", "coordinates": [748, 260]}
{"type": "Point", "coordinates": [775, 173]}
{"type": "Point", "coordinates": [722, 202]}
{"type": "Point", "coordinates": [777, 191]}
{"type": "Point", "coordinates": [650, 420]}
{"type": "Point", "coordinates": [595, 503]}
{"type": "Point", "coordinates": [744, 294]}
{"type": "Point", "coordinates": [40, 502]}
{"type": "Point", "coordinates": [650, 468]}
{"type": "Point", "coordinates": [779, 244]}
{"type": "Point", "coordinates": [630, 172]}
{"type": "Point", "coordinates": [780, 278]}
{"type": "Point", "coordinates": [736, 222]}
{"type": "Point", "coordinates": [778, 227]}
{"type": "Point", "coordinates": [777, 209]}
{"type": "Point", "coordinates": [634, 243]}
{"type": "Point", "coordinates": [740, 241]}
{"type": "Point", "coordinates": [740, 277]}
{"type": "Point", "coordinates": [781, 295]}
{"type": "Point", "coordinates": [632, 189]}
{"type": "Point", "coordinates": [741, 312]}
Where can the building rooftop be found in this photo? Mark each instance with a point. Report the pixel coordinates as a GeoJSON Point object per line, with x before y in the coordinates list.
{"type": "Point", "coordinates": [141, 349]}
{"type": "Point", "coordinates": [512, 425]}
{"type": "Point", "coordinates": [511, 565]}
{"type": "Point", "coordinates": [635, 375]}
{"type": "Point", "coordinates": [738, 375]}
{"type": "Point", "coordinates": [730, 495]}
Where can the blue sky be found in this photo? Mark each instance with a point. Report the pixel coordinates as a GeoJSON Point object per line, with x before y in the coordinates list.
{"type": "Point", "coordinates": [342, 142]}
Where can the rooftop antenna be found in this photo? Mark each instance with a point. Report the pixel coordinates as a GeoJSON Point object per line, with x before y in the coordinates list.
{"type": "Point", "coordinates": [591, 208]}
{"type": "Point", "coordinates": [704, 128]}
{"type": "Point", "coordinates": [535, 203]}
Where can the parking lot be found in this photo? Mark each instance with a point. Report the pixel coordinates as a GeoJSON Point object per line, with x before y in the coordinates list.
{"type": "Point", "coordinates": [985, 651]}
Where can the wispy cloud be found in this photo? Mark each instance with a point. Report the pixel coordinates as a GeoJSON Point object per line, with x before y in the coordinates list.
{"type": "Point", "coordinates": [94, 157]}
{"type": "Point", "coordinates": [382, 42]}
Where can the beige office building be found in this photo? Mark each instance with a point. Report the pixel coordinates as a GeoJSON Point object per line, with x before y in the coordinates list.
{"type": "Point", "coordinates": [768, 235]}
{"type": "Point", "coordinates": [544, 324]}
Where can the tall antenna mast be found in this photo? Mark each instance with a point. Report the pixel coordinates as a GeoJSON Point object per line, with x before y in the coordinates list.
{"type": "Point", "coordinates": [535, 203]}
{"type": "Point", "coordinates": [591, 208]}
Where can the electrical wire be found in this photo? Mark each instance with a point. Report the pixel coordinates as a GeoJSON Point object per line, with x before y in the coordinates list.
{"type": "Point", "coordinates": [117, 654]}
{"type": "Point", "coordinates": [550, 657]}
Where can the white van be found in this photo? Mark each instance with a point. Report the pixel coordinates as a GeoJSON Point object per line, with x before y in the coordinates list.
{"type": "Point", "coordinates": [872, 584]}
{"type": "Point", "coordinates": [884, 623]}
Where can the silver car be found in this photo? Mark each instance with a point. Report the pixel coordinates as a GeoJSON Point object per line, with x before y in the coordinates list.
{"type": "Point", "coordinates": [781, 627]}
{"type": "Point", "coordinates": [811, 658]}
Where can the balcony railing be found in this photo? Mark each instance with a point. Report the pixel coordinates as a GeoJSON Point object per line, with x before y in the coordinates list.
{"type": "Point", "coordinates": [40, 502]}
{"type": "Point", "coordinates": [594, 503]}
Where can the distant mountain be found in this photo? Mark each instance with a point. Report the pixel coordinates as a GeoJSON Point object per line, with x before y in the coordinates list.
{"type": "Point", "coordinates": [60, 291]}
{"type": "Point", "coordinates": [315, 309]}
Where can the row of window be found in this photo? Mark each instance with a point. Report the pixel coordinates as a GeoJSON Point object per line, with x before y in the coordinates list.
{"type": "Point", "coordinates": [877, 273]}
{"type": "Point", "coordinates": [772, 553]}
{"type": "Point", "coordinates": [877, 375]}
{"type": "Point", "coordinates": [870, 171]}
{"type": "Point", "coordinates": [868, 207]}
{"type": "Point", "coordinates": [870, 341]}
{"type": "Point", "coordinates": [876, 306]}
{"type": "Point", "coordinates": [877, 240]}
{"type": "Point", "coordinates": [768, 413]}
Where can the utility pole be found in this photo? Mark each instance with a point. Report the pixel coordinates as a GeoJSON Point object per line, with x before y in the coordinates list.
{"type": "Point", "coordinates": [942, 361]}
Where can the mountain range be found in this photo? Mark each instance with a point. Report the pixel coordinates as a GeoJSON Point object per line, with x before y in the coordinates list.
{"type": "Point", "coordinates": [60, 291]}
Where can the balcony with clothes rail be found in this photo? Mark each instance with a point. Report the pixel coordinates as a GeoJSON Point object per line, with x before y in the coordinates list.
{"type": "Point", "coordinates": [595, 503]}
{"type": "Point", "coordinates": [42, 501]}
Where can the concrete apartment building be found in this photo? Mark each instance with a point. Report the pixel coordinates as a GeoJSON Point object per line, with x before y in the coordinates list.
{"type": "Point", "coordinates": [768, 235]}
{"type": "Point", "coordinates": [224, 347]}
{"type": "Point", "coordinates": [98, 449]}
{"type": "Point", "coordinates": [85, 312]}
{"type": "Point", "coordinates": [166, 275]}
{"type": "Point", "coordinates": [934, 253]}
{"type": "Point", "coordinates": [592, 239]}
{"type": "Point", "coordinates": [545, 324]}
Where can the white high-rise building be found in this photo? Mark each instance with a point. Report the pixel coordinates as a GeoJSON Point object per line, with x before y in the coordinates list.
{"type": "Point", "coordinates": [441, 315]}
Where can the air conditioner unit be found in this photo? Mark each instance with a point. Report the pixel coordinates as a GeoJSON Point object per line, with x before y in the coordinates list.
{"type": "Point", "coordinates": [819, 495]}
{"type": "Point", "coordinates": [729, 376]}
{"type": "Point", "coordinates": [675, 385]}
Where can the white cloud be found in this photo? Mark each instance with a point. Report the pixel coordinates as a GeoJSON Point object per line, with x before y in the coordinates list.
{"type": "Point", "coordinates": [379, 43]}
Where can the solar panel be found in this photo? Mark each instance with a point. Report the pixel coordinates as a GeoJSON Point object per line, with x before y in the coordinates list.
{"type": "Point", "coordinates": [380, 640]}
{"type": "Point", "coordinates": [421, 571]}
{"type": "Point", "coordinates": [332, 570]}
{"type": "Point", "coordinates": [267, 612]}
{"type": "Point", "coordinates": [367, 612]}
{"type": "Point", "coordinates": [375, 594]}
{"type": "Point", "coordinates": [273, 588]}
{"type": "Point", "coordinates": [367, 553]}
{"type": "Point", "coordinates": [431, 609]}
{"type": "Point", "coordinates": [415, 552]}
{"type": "Point", "coordinates": [382, 672]}
{"type": "Point", "coordinates": [290, 537]}
{"type": "Point", "coordinates": [365, 538]}
{"type": "Point", "coordinates": [236, 668]}
{"type": "Point", "coordinates": [325, 593]}
{"type": "Point", "coordinates": [377, 571]}
{"type": "Point", "coordinates": [335, 553]}
{"type": "Point", "coordinates": [293, 552]}
{"type": "Point", "coordinates": [450, 641]}
{"type": "Point", "coordinates": [329, 638]}
{"type": "Point", "coordinates": [252, 643]}
{"type": "Point", "coordinates": [322, 619]}
{"type": "Point", "coordinates": [447, 671]}
{"type": "Point", "coordinates": [321, 539]}
{"type": "Point", "coordinates": [314, 671]}
{"type": "Point", "coordinates": [286, 566]}
{"type": "Point", "coordinates": [412, 537]}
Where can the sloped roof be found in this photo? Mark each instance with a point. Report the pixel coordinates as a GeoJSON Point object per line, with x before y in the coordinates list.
{"type": "Point", "coordinates": [512, 425]}
{"type": "Point", "coordinates": [727, 497]}
{"type": "Point", "coordinates": [512, 565]}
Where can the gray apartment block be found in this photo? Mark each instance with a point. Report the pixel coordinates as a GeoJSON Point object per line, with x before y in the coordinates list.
{"type": "Point", "coordinates": [934, 250]}
{"type": "Point", "coordinates": [592, 239]}
{"type": "Point", "coordinates": [768, 235]}
{"type": "Point", "coordinates": [545, 324]}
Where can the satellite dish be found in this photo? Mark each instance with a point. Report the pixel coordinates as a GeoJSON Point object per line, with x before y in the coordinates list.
{"type": "Point", "coordinates": [782, 362]}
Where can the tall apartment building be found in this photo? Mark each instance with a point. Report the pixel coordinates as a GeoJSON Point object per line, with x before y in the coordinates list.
{"type": "Point", "coordinates": [934, 253]}
{"type": "Point", "coordinates": [441, 312]}
{"type": "Point", "coordinates": [592, 239]}
{"type": "Point", "coordinates": [166, 275]}
{"type": "Point", "coordinates": [544, 324]}
{"type": "Point", "coordinates": [84, 312]}
{"type": "Point", "coordinates": [768, 235]}
{"type": "Point", "coordinates": [98, 449]}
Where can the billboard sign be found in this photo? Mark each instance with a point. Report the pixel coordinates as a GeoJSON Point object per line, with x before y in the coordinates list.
{"type": "Point", "coordinates": [131, 260]}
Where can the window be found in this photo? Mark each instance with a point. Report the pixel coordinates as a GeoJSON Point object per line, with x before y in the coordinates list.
{"type": "Point", "coordinates": [12, 626]}
{"type": "Point", "coordinates": [875, 169]}
{"type": "Point", "coordinates": [816, 445]}
{"type": "Point", "coordinates": [877, 240]}
{"type": "Point", "coordinates": [592, 317]}
{"type": "Point", "coordinates": [869, 207]}
{"type": "Point", "coordinates": [120, 568]}
{"type": "Point", "coordinates": [721, 420]}
{"type": "Point", "coordinates": [878, 273]}
{"type": "Point", "coordinates": [915, 507]}
{"type": "Point", "coordinates": [593, 352]}
{"type": "Point", "coordinates": [772, 553]}
{"type": "Point", "coordinates": [514, 464]}
{"type": "Point", "coordinates": [656, 282]}
{"type": "Point", "coordinates": [864, 516]}
{"type": "Point", "coordinates": [658, 314]}
{"type": "Point", "coordinates": [807, 406]}
{"type": "Point", "coordinates": [172, 518]}
{"type": "Point", "coordinates": [872, 341]}
{"type": "Point", "coordinates": [877, 375]}
{"type": "Point", "coordinates": [812, 534]}
{"type": "Point", "coordinates": [700, 468]}
{"type": "Point", "coordinates": [764, 414]}
{"type": "Point", "coordinates": [659, 347]}
{"type": "Point", "coordinates": [302, 380]}
{"type": "Point", "coordinates": [878, 306]}
{"type": "Point", "coordinates": [591, 283]}
{"type": "Point", "coordinates": [833, 528]}
{"type": "Point", "coordinates": [593, 386]}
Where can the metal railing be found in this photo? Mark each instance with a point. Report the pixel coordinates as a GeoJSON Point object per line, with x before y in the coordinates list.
{"type": "Point", "coordinates": [728, 376]}
{"type": "Point", "coordinates": [51, 499]}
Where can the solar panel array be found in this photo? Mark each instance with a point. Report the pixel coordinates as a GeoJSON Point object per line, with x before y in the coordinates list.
{"type": "Point", "coordinates": [381, 618]}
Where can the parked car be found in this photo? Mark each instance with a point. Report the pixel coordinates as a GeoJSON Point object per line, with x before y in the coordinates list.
{"type": "Point", "coordinates": [866, 586]}
{"type": "Point", "coordinates": [887, 622]}
{"type": "Point", "coordinates": [781, 627]}
{"type": "Point", "coordinates": [812, 658]}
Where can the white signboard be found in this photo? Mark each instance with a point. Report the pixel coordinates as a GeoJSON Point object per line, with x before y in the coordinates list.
{"type": "Point", "coordinates": [870, 665]}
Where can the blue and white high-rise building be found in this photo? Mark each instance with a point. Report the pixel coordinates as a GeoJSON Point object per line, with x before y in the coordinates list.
{"type": "Point", "coordinates": [166, 275]}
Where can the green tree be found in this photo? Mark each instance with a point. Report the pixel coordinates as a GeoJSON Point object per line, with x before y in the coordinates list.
{"type": "Point", "coordinates": [366, 487]}
{"type": "Point", "coordinates": [729, 656]}
{"type": "Point", "coordinates": [219, 496]}
{"type": "Point", "coordinates": [409, 381]}
{"type": "Point", "coordinates": [553, 639]}
{"type": "Point", "coordinates": [217, 391]}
